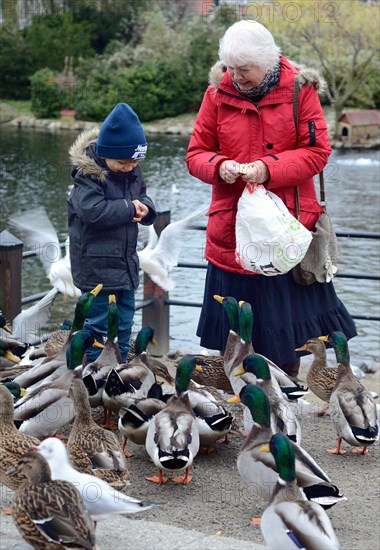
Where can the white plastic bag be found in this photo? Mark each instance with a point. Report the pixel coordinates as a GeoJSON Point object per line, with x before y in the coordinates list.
{"type": "Point", "coordinates": [269, 240]}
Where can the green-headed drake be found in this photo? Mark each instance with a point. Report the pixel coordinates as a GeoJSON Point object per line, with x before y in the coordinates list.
{"type": "Point", "coordinates": [291, 522]}
{"type": "Point", "coordinates": [172, 439]}
{"type": "Point", "coordinates": [48, 408]}
{"type": "Point", "coordinates": [283, 418]}
{"type": "Point", "coordinates": [50, 368]}
{"type": "Point", "coordinates": [258, 469]}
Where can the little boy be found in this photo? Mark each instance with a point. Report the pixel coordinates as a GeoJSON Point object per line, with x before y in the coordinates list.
{"type": "Point", "coordinates": [107, 200]}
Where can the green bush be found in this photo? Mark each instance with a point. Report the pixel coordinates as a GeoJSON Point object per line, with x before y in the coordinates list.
{"type": "Point", "coordinates": [154, 90]}
{"type": "Point", "coordinates": [47, 97]}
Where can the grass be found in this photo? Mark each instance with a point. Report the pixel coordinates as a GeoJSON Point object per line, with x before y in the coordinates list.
{"type": "Point", "coordinates": [22, 107]}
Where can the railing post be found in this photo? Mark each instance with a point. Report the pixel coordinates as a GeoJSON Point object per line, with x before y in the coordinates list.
{"type": "Point", "coordinates": [157, 314]}
{"type": "Point", "coordinates": [10, 275]}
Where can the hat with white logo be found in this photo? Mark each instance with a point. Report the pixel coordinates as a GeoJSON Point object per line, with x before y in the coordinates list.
{"type": "Point", "coordinates": [121, 135]}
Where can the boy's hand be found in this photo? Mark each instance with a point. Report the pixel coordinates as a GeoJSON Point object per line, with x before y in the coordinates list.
{"type": "Point", "coordinates": [141, 210]}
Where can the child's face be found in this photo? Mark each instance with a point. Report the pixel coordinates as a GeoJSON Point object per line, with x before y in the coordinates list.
{"type": "Point", "coordinates": [121, 165]}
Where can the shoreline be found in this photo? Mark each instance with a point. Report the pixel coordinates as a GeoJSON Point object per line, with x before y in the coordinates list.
{"type": "Point", "coordinates": [181, 125]}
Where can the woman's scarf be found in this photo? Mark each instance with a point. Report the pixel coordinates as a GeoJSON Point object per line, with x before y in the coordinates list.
{"type": "Point", "coordinates": [270, 81]}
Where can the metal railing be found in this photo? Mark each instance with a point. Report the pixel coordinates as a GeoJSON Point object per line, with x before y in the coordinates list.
{"type": "Point", "coordinates": [156, 303]}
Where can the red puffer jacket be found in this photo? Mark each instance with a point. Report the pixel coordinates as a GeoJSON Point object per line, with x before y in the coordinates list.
{"type": "Point", "coordinates": [230, 126]}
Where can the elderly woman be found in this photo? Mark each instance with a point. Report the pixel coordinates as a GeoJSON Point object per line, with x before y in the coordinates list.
{"type": "Point", "coordinates": [246, 117]}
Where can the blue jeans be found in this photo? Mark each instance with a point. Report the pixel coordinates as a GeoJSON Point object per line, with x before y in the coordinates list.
{"type": "Point", "coordinates": [96, 321]}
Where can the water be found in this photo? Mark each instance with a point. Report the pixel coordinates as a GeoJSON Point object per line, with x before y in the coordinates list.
{"type": "Point", "coordinates": [35, 171]}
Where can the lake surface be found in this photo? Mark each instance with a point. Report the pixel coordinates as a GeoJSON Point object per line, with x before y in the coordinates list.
{"type": "Point", "coordinates": [35, 171]}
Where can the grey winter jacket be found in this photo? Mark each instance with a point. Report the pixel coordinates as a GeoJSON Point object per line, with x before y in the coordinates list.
{"type": "Point", "coordinates": [103, 238]}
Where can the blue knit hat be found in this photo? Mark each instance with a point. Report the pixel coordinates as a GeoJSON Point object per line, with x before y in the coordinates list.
{"type": "Point", "coordinates": [121, 135]}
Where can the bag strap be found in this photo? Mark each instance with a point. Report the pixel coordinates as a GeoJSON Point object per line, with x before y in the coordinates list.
{"type": "Point", "coordinates": [322, 192]}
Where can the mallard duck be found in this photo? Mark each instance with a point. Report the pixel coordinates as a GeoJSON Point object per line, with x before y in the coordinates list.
{"type": "Point", "coordinates": [100, 499]}
{"type": "Point", "coordinates": [92, 448]}
{"type": "Point", "coordinates": [213, 419]}
{"type": "Point", "coordinates": [14, 388]}
{"type": "Point", "coordinates": [58, 338]}
{"type": "Point", "coordinates": [240, 317]}
{"type": "Point", "coordinates": [13, 444]}
{"type": "Point", "coordinates": [283, 418]}
{"type": "Point", "coordinates": [49, 513]}
{"type": "Point", "coordinates": [134, 421]}
{"type": "Point", "coordinates": [3, 323]}
{"type": "Point", "coordinates": [144, 337]}
{"type": "Point", "coordinates": [49, 366]}
{"type": "Point", "coordinates": [213, 372]}
{"type": "Point", "coordinates": [352, 407]}
{"type": "Point", "coordinates": [259, 470]}
{"type": "Point", "coordinates": [320, 378]}
{"type": "Point", "coordinates": [290, 521]}
{"type": "Point", "coordinates": [130, 381]}
{"type": "Point", "coordinates": [172, 440]}
{"type": "Point", "coordinates": [7, 358]}
{"type": "Point", "coordinates": [95, 374]}
{"type": "Point", "coordinates": [48, 408]}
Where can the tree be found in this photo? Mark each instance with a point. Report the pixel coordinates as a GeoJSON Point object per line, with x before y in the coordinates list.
{"type": "Point", "coordinates": [340, 37]}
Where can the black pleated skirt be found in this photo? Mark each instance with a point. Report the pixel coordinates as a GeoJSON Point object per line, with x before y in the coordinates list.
{"type": "Point", "coordinates": [286, 314]}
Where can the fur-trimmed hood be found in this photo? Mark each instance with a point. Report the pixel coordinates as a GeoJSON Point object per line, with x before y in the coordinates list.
{"type": "Point", "coordinates": [80, 159]}
{"type": "Point", "coordinates": [307, 76]}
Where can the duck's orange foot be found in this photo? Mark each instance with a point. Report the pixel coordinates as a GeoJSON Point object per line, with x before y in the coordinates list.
{"type": "Point", "coordinates": [336, 451]}
{"type": "Point", "coordinates": [362, 451]}
{"type": "Point", "coordinates": [256, 521]}
{"type": "Point", "coordinates": [323, 411]}
{"type": "Point", "coordinates": [6, 511]}
{"type": "Point", "coordinates": [128, 454]}
{"type": "Point", "coordinates": [182, 480]}
{"type": "Point", "coordinates": [160, 479]}
{"type": "Point", "coordinates": [223, 441]}
{"type": "Point", "coordinates": [206, 450]}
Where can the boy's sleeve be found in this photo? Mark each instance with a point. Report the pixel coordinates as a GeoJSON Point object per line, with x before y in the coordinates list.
{"type": "Point", "coordinates": [90, 205]}
{"type": "Point", "coordinates": [145, 199]}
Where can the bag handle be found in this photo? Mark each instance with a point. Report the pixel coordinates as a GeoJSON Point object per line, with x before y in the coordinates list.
{"type": "Point", "coordinates": [322, 192]}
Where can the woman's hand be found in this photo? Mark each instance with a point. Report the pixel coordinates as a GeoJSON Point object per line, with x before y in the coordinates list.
{"type": "Point", "coordinates": [256, 172]}
{"type": "Point", "coordinates": [228, 171]}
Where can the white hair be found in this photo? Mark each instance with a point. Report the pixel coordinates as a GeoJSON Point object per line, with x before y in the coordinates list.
{"type": "Point", "coordinates": [248, 42]}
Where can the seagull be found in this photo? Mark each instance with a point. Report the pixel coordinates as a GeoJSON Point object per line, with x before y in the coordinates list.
{"type": "Point", "coordinates": [100, 499]}
{"type": "Point", "coordinates": [39, 234]}
{"type": "Point", "coordinates": [26, 326]}
{"type": "Point", "coordinates": [161, 254]}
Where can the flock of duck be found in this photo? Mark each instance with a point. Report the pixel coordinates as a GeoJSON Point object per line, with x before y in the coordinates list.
{"type": "Point", "coordinates": [61, 490]}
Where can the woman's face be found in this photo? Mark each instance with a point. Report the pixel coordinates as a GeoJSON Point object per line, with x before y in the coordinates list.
{"type": "Point", "coordinates": [246, 76]}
